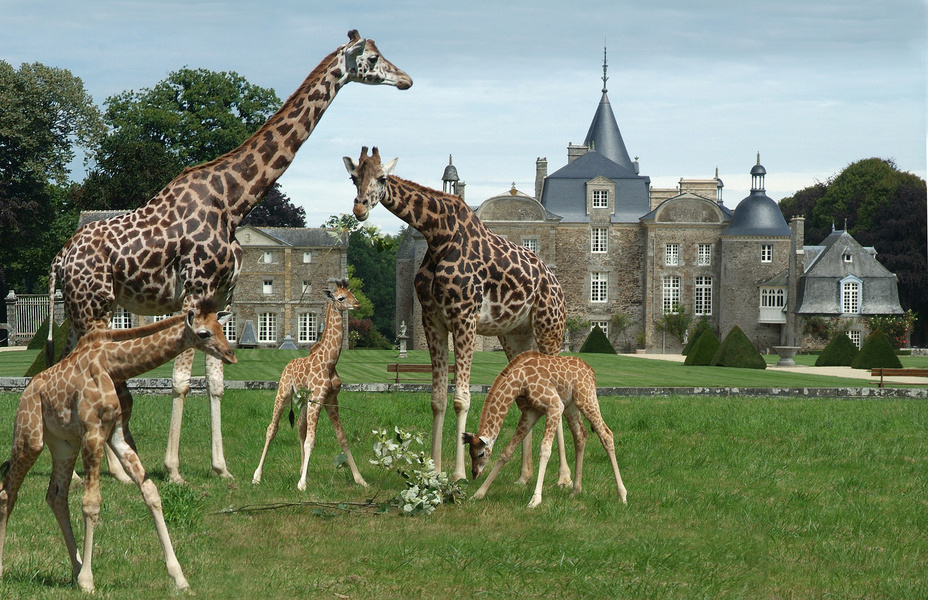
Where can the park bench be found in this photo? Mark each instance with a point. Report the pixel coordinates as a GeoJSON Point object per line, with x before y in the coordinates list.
{"type": "Point", "coordinates": [882, 372]}
{"type": "Point", "coordinates": [399, 368]}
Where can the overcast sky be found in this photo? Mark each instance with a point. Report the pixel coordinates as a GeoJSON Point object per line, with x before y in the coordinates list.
{"type": "Point", "coordinates": [812, 85]}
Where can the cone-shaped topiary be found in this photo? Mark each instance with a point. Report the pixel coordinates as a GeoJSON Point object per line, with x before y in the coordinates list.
{"type": "Point", "coordinates": [698, 331]}
{"type": "Point", "coordinates": [703, 349]}
{"type": "Point", "coordinates": [597, 342]}
{"type": "Point", "coordinates": [839, 352]}
{"type": "Point", "coordinates": [737, 350]}
{"type": "Point", "coordinates": [876, 351]}
{"type": "Point", "coordinates": [60, 336]}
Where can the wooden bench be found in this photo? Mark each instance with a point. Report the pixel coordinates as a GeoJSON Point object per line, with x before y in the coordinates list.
{"type": "Point", "coordinates": [882, 372]}
{"type": "Point", "coordinates": [399, 368]}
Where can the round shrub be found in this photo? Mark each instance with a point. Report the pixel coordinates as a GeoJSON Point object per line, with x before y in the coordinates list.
{"type": "Point", "coordinates": [876, 351]}
{"type": "Point", "coordinates": [597, 342]}
{"type": "Point", "coordinates": [703, 349]}
{"type": "Point", "coordinates": [736, 350]}
{"type": "Point", "coordinates": [839, 352]}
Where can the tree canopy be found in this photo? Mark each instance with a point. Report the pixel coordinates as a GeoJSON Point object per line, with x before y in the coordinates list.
{"type": "Point", "coordinates": [193, 116]}
{"type": "Point", "coordinates": [882, 207]}
{"type": "Point", "coordinates": [276, 210]}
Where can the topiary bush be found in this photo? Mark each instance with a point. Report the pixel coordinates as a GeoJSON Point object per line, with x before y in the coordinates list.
{"type": "Point", "coordinates": [840, 352]}
{"type": "Point", "coordinates": [60, 335]}
{"type": "Point", "coordinates": [597, 342]}
{"type": "Point", "coordinates": [703, 349]}
{"type": "Point", "coordinates": [737, 350]}
{"type": "Point", "coordinates": [702, 326]}
{"type": "Point", "coordinates": [876, 351]}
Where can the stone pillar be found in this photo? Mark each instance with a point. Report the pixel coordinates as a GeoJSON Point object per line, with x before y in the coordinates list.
{"type": "Point", "coordinates": [11, 317]}
{"type": "Point", "coordinates": [792, 333]}
{"type": "Point", "coordinates": [541, 171]}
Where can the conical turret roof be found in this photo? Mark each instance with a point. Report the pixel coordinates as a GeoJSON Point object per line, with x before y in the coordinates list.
{"type": "Point", "coordinates": [604, 135]}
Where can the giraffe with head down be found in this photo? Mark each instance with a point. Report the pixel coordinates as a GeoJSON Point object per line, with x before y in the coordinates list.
{"type": "Point", "coordinates": [180, 247]}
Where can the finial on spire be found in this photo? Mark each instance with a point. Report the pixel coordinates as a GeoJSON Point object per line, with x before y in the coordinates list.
{"type": "Point", "coordinates": [758, 157]}
{"type": "Point", "coordinates": [605, 78]}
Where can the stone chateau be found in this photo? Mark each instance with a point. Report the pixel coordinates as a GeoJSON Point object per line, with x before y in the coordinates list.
{"type": "Point", "coordinates": [620, 246]}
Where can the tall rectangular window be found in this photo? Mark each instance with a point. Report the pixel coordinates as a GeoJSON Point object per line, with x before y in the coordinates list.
{"type": "Point", "coordinates": [122, 319]}
{"type": "Point", "coordinates": [307, 257]}
{"type": "Point", "coordinates": [600, 199]}
{"type": "Point", "coordinates": [599, 240]}
{"type": "Point", "coordinates": [267, 327]}
{"type": "Point", "coordinates": [599, 286]}
{"type": "Point", "coordinates": [268, 287]}
{"type": "Point", "coordinates": [308, 328]}
{"type": "Point", "coordinates": [850, 297]}
{"type": "Point", "coordinates": [702, 304]}
{"type": "Point", "coordinates": [531, 244]}
{"type": "Point", "coordinates": [855, 337]}
{"type": "Point", "coordinates": [772, 297]}
{"type": "Point", "coordinates": [671, 292]}
{"type": "Point", "coordinates": [704, 254]}
{"type": "Point", "coordinates": [228, 329]}
{"type": "Point", "coordinates": [672, 255]}
{"type": "Point", "coordinates": [766, 253]}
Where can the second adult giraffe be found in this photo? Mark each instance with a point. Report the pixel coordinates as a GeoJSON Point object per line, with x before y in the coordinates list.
{"type": "Point", "coordinates": [471, 282]}
{"type": "Point", "coordinates": [180, 246]}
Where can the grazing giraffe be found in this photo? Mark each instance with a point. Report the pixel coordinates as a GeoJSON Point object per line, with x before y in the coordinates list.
{"type": "Point", "coordinates": [471, 282]}
{"type": "Point", "coordinates": [74, 407]}
{"type": "Point", "coordinates": [316, 373]}
{"type": "Point", "coordinates": [541, 385]}
{"type": "Point", "coordinates": [180, 246]}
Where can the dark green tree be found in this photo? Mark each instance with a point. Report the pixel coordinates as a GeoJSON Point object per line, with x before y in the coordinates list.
{"type": "Point", "coordinates": [193, 116]}
{"type": "Point", "coordinates": [276, 210]}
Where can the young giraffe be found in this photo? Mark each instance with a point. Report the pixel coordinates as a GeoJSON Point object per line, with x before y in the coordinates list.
{"type": "Point", "coordinates": [541, 385]}
{"type": "Point", "coordinates": [471, 282]}
{"type": "Point", "coordinates": [315, 372]}
{"type": "Point", "coordinates": [181, 246]}
{"type": "Point", "coordinates": [73, 407]}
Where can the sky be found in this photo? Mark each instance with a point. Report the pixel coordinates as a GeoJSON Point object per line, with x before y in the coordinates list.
{"type": "Point", "coordinates": [811, 85]}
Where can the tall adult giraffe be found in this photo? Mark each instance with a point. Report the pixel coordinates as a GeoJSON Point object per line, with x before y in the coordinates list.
{"type": "Point", "coordinates": [180, 246]}
{"type": "Point", "coordinates": [471, 282]}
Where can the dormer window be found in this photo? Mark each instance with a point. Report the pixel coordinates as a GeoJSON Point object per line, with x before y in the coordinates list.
{"type": "Point", "coordinates": [848, 258]}
{"type": "Point", "coordinates": [600, 198]}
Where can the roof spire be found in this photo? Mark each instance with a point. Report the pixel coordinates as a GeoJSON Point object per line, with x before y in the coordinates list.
{"type": "Point", "coordinates": [604, 67]}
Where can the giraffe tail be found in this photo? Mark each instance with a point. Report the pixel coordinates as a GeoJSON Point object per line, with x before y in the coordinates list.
{"type": "Point", "coordinates": [50, 341]}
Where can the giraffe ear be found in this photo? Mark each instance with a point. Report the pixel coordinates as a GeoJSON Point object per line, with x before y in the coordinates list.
{"type": "Point", "coordinates": [190, 315]}
{"type": "Point", "coordinates": [468, 438]}
{"type": "Point", "coordinates": [328, 294]}
{"type": "Point", "coordinates": [223, 317]}
{"type": "Point", "coordinates": [350, 164]}
{"type": "Point", "coordinates": [388, 168]}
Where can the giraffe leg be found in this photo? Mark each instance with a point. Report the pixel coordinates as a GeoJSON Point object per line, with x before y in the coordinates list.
{"type": "Point", "coordinates": [92, 452]}
{"type": "Point", "coordinates": [331, 409]}
{"type": "Point", "coordinates": [548, 332]}
{"type": "Point", "coordinates": [580, 434]}
{"type": "Point", "coordinates": [526, 422]}
{"type": "Point", "coordinates": [26, 449]}
{"type": "Point", "coordinates": [112, 461]}
{"type": "Point", "coordinates": [309, 418]}
{"type": "Point", "coordinates": [133, 466]}
{"type": "Point", "coordinates": [214, 389]}
{"type": "Point", "coordinates": [64, 456]}
{"type": "Point", "coordinates": [437, 340]}
{"type": "Point", "coordinates": [465, 338]}
{"type": "Point", "coordinates": [608, 441]}
{"type": "Point", "coordinates": [183, 365]}
{"type": "Point", "coordinates": [284, 394]}
{"type": "Point", "coordinates": [552, 421]}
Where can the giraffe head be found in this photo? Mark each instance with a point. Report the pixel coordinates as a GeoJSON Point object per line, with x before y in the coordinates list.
{"type": "Point", "coordinates": [370, 178]}
{"type": "Point", "coordinates": [341, 296]}
{"type": "Point", "coordinates": [365, 64]}
{"type": "Point", "coordinates": [480, 450]}
{"type": "Point", "coordinates": [203, 331]}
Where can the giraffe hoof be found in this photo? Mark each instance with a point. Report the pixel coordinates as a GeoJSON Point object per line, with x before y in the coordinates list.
{"type": "Point", "coordinates": [534, 502]}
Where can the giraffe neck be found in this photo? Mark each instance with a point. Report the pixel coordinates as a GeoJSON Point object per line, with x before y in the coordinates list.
{"type": "Point", "coordinates": [436, 215]}
{"type": "Point", "coordinates": [330, 345]}
{"type": "Point", "coordinates": [127, 355]}
{"type": "Point", "coordinates": [495, 408]}
{"type": "Point", "coordinates": [242, 176]}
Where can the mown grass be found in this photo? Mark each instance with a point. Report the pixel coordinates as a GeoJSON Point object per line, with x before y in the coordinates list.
{"type": "Point", "coordinates": [370, 366]}
{"type": "Point", "coordinates": [728, 498]}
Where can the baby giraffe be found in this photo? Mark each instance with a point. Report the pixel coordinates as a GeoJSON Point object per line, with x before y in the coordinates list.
{"type": "Point", "coordinates": [541, 384]}
{"type": "Point", "coordinates": [73, 407]}
{"type": "Point", "coordinates": [316, 373]}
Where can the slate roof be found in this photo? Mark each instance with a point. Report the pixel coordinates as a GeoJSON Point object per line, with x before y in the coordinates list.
{"type": "Point", "coordinates": [758, 216]}
{"type": "Point", "coordinates": [604, 136]}
{"type": "Point", "coordinates": [564, 190]}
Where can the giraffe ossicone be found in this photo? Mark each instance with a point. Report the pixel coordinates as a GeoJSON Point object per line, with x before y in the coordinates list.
{"type": "Point", "coordinates": [317, 374]}
{"type": "Point", "coordinates": [541, 385]}
{"type": "Point", "coordinates": [81, 403]}
{"type": "Point", "coordinates": [471, 282]}
{"type": "Point", "coordinates": [180, 246]}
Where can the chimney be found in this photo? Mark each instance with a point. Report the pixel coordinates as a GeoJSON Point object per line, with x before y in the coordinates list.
{"type": "Point", "coordinates": [541, 171]}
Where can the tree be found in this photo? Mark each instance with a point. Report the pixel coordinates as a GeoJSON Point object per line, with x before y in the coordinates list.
{"type": "Point", "coordinates": [193, 116]}
{"type": "Point", "coordinates": [884, 208]}
{"type": "Point", "coordinates": [45, 115]}
{"type": "Point", "coordinates": [276, 210]}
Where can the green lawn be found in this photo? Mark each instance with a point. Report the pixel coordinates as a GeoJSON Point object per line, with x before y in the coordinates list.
{"type": "Point", "coordinates": [369, 366]}
{"type": "Point", "coordinates": [727, 498]}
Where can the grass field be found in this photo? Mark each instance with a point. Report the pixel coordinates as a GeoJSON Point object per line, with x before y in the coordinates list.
{"type": "Point", "coordinates": [727, 498]}
{"type": "Point", "coordinates": [370, 366]}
